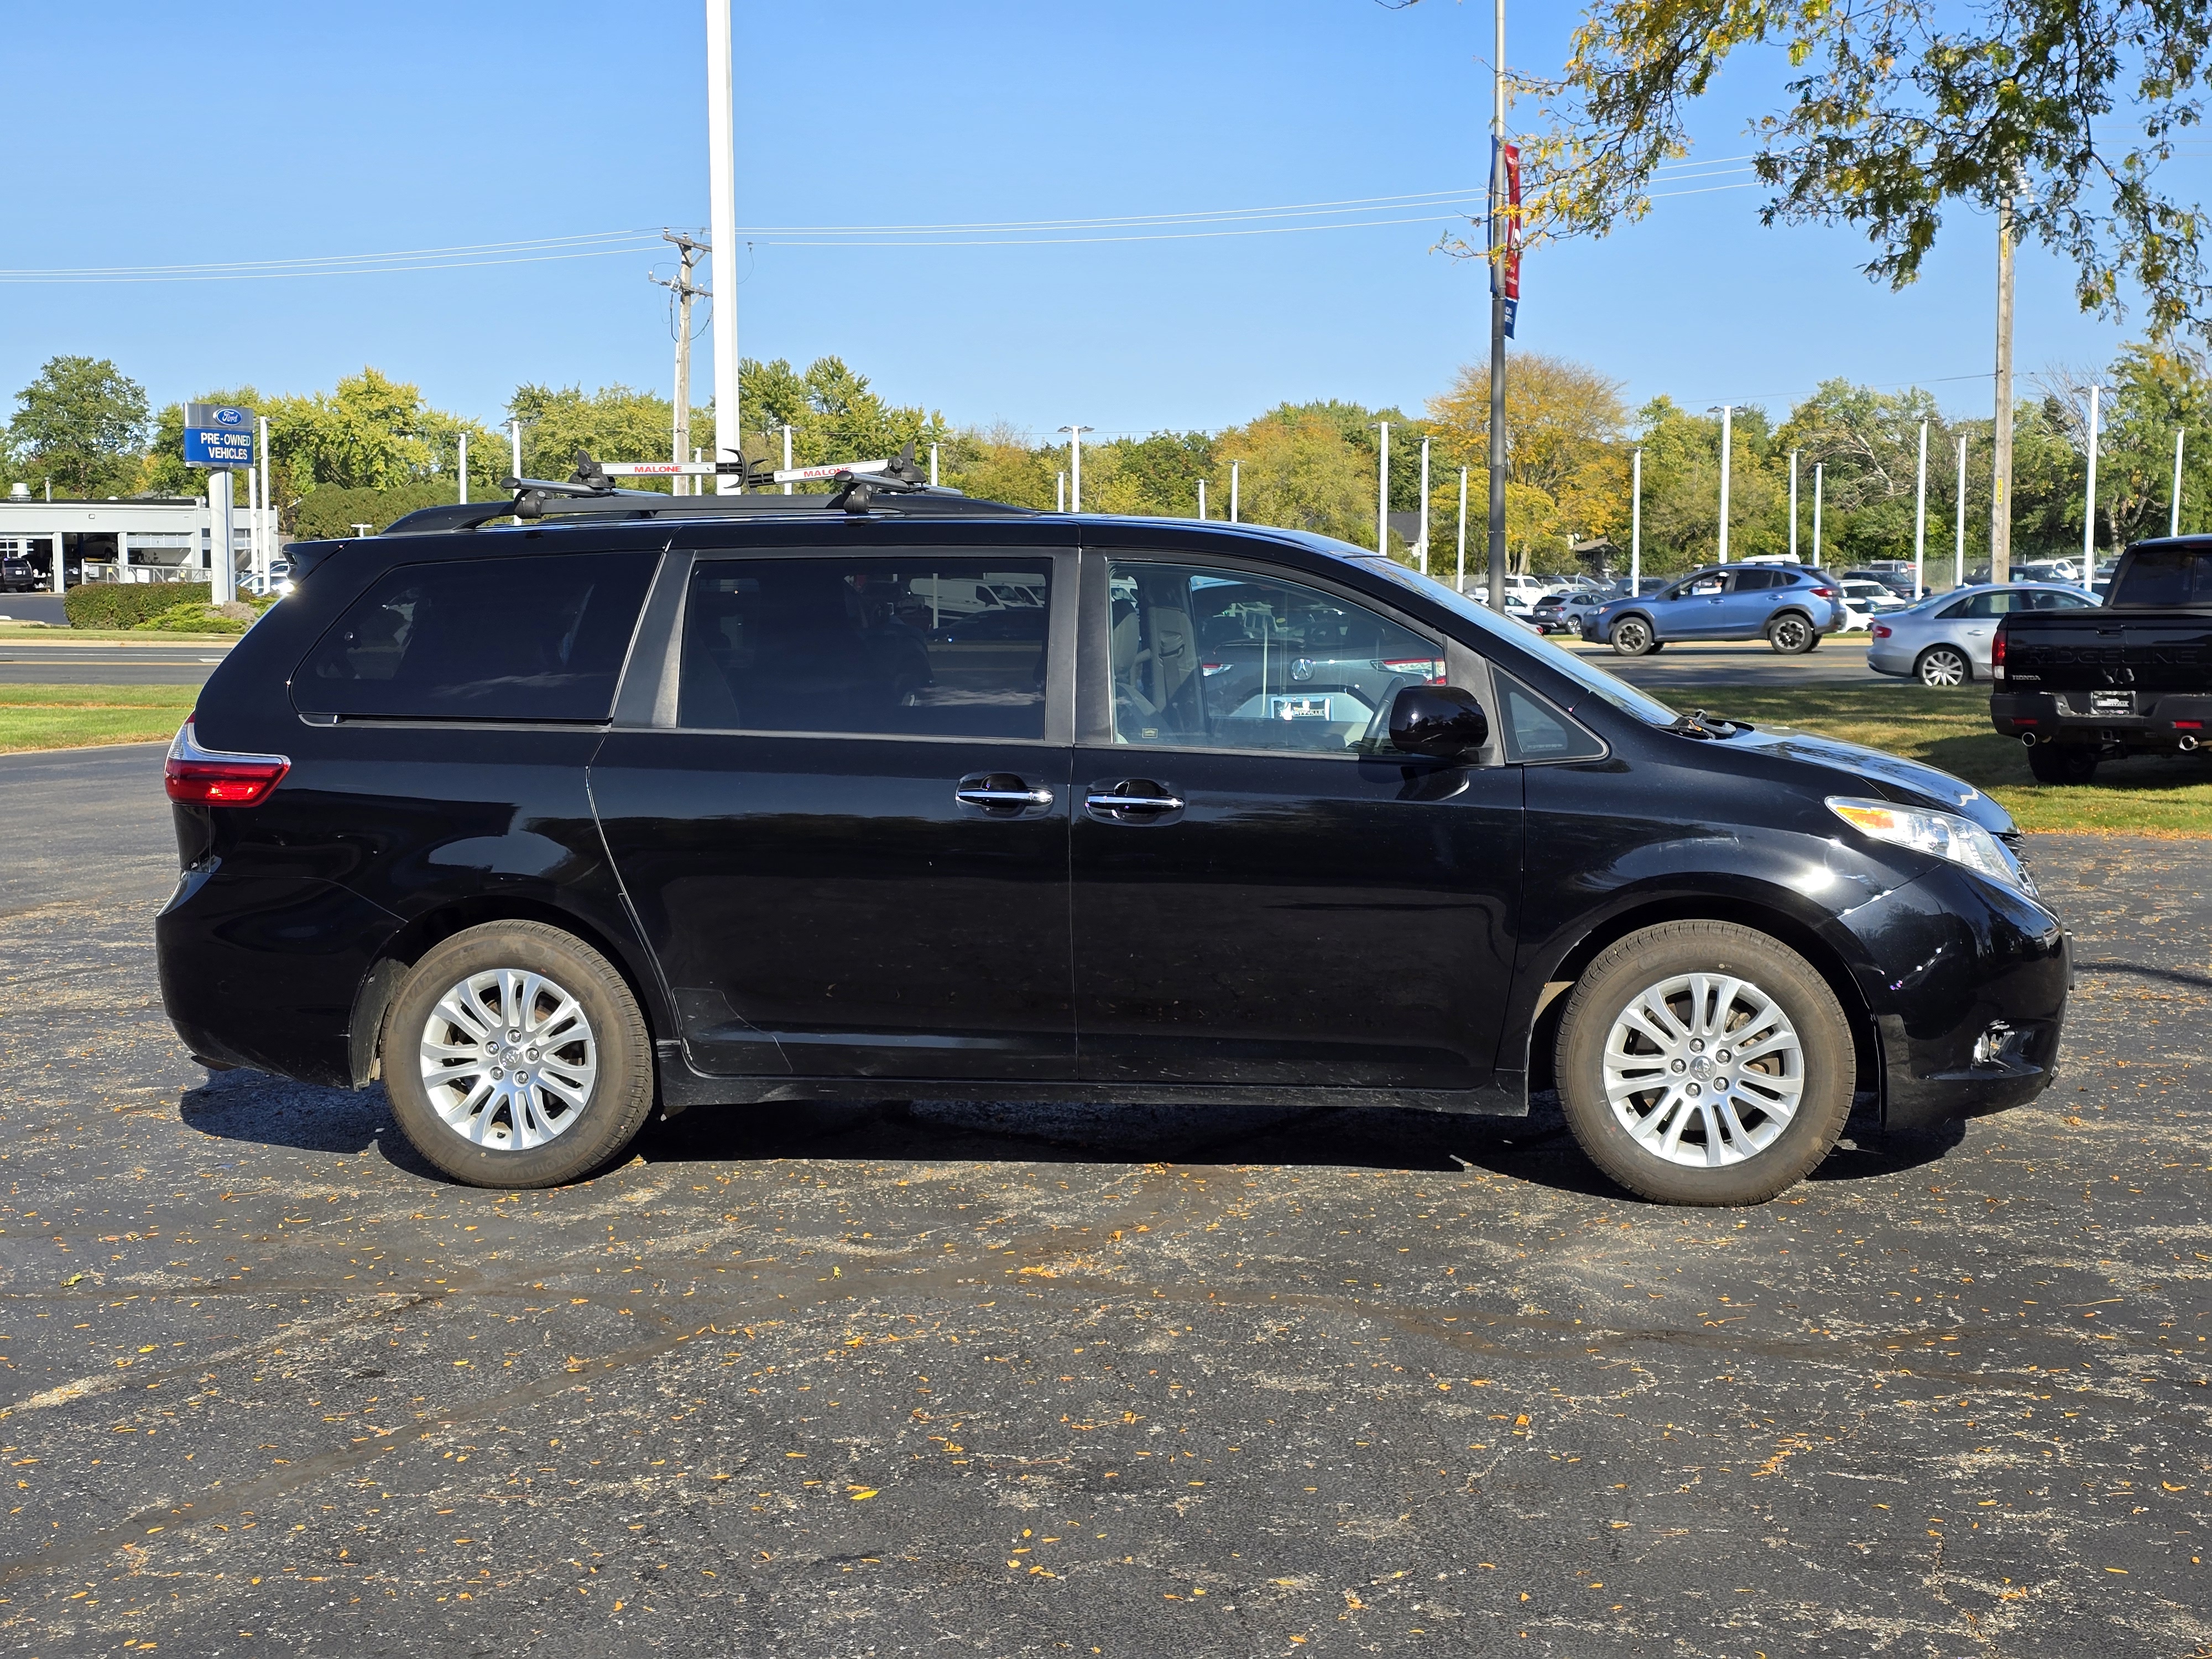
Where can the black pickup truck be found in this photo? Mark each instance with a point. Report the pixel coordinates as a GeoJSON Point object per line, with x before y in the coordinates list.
{"type": "Point", "coordinates": [2131, 678]}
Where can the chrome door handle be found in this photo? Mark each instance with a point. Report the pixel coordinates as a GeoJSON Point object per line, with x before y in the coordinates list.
{"type": "Point", "coordinates": [1134, 803]}
{"type": "Point", "coordinates": [1005, 797]}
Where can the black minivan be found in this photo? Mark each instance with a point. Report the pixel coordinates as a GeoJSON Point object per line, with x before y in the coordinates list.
{"type": "Point", "coordinates": [646, 803]}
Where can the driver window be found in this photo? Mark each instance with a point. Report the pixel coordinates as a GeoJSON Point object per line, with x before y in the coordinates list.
{"type": "Point", "coordinates": [1706, 587]}
{"type": "Point", "coordinates": [1219, 659]}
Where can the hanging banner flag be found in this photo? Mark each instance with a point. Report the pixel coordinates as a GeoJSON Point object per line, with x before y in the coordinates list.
{"type": "Point", "coordinates": [1512, 236]}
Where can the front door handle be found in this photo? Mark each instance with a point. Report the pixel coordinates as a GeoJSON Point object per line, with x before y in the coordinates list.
{"type": "Point", "coordinates": [1132, 800]}
{"type": "Point", "coordinates": [1000, 794]}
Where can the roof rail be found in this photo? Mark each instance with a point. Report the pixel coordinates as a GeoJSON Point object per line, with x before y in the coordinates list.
{"type": "Point", "coordinates": [896, 486]}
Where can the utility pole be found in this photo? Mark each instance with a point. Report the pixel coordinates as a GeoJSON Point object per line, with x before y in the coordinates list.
{"type": "Point", "coordinates": [684, 291]}
{"type": "Point", "coordinates": [1636, 524]}
{"type": "Point", "coordinates": [1727, 412]}
{"type": "Point", "coordinates": [1497, 252]}
{"type": "Point", "coordinates": [2173, 514]}
{"type": "Point", "coordinates": [1075, 464]}
{"type": "Point", "coordinates": [1792, 505]}
{"type": "Point", "coordinates": [1920, 521]}
{"type": "Point", "coordinates": [1459, 582]}
{"type": "Point", "coordinates": [2089, 507]}
{"type": "Point", "coordinates": [1959, 552]}
{"type": "Point", "coordinates": [1819, 468]}
{"type": "Point", "coordinates": [722, 233]}
{"type": "Point", "coordinates": [2001, 452]}
{"type": "Point", "coordinates": [1235, 505]}
{"type": "Point", "coordinates": [1424, 506]}
{"type": "Point", "coordinates": [1383, 493]}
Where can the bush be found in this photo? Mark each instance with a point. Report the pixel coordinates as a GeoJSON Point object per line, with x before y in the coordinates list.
{"type": "Point", "coordinates": [328, 512]}
{"type": "Point", "coordinates": [191, 617]}
{"type": "Point", "coordinates": [126, 605]}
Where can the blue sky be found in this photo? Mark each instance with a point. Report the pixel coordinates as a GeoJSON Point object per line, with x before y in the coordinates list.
{"type": "Point", "coordinates": [328, 128]}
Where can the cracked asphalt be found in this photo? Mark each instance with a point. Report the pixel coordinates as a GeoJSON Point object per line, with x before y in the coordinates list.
{"type": "Point", "coordinates": [1024, 1381]}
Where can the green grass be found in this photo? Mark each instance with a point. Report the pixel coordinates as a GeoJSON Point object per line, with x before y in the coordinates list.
{"type": "Point", "coordinates": [1950, 729]}
{"type": "Point", "coordinates": [28, 632]}
{"type": "Point", "coordinates": [80, 717]}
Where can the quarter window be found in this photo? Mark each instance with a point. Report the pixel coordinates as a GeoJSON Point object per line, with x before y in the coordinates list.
{"type": "Point", "coordinates": [871, 647]}
{"type": "Point", "coordinates": [518, 639]}
{"type": "Point", "coordinates": [1219, 659]}
{"type": "Point", "coordinates": [1534, 731]}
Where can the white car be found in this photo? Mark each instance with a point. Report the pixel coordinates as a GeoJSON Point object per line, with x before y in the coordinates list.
{"type": "Point", "coordinates": [1864, 600]}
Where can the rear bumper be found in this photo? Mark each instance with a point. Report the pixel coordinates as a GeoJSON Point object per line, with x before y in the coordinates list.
{"type": "Point", "coordinates": [1954, 963]}
{"type": "Point", "coordinates": [2162, 722]}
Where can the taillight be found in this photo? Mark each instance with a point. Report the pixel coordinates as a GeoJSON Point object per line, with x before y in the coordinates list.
{"type": "Point", "coordinates": [1882, 630]}
{"type": "Point", "coordinates": [216, 777]}
{"type": "Point", "coordinates": [1427, 668]}
{"type": "Point", "coordinates": [1997, 651]}
{"type": "Point", "coordinates": [1824, 592]}
{"type": "Point", "coordinates": [1210, 669]}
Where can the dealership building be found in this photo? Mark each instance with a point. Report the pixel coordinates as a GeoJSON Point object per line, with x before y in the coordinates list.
{"type": "Point", "coordinates": [140, 538]}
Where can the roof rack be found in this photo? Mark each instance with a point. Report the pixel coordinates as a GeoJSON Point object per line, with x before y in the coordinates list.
{"type": "Point", "coordinates": [896, 486]}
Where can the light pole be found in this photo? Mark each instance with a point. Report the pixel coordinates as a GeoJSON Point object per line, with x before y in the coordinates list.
{"type": "Point", "coordinates": [269, 505]}
{"type": "Point", "coordinates": [1793, 506]}
{"type": "Point", "coordinates": [1498, 232]}
{"type": "Point", "coordinates": [1636, 524]}
{"type": "Point", "coordinates": [514, 432]}
{"type": "Point", "coordinates": [1383, 495]}
{"type": "Point", "coordinates": [1959, 552]}
{"type": "Point", "coordinates": [722, 256]}
{"type": "Point", "coordinates": [1819, 467]}
{"type": "Point", "coordinates": [1201, 500]}
{"type": "Point", "coordinates": [1727, 412]}
{"type": "Point", "coordinates": [1920, 519]}
{"type": "Point", "coordinates": [1459, 583]}
{"type": "Point", "coordinates": [2000, 436]}
{"type": "Point", "coordinates": [462, 466]}
{"type": "Point", "coordinates": [1235, 505]}
{"type": "Point", "coordinates": [1059, 492]}
{"type": "Point", "coordinates": [786, 457]}
{"type": "Point", "coordinates": [1424, 506]}
{"type": "Point", "coordinates": [2089, 510]}
{"type": "Point", "coordinates": [932, 466]}
{"type": "Point", "coordinates": [1075, 464]}
{"type": "Point", "coordinates": [2174, 514]}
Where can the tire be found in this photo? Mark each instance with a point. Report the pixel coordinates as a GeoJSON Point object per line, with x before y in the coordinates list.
{"type": "Point", "coordinates": [573, 1116]}
{"type": "Point", "coordinates": [1943, 665]}
{"type": "Point", "coordinates": [1673, 967]}
{"type": "Point", "coordinates": [2065, 764]}
{"type": "Point", "coordinates": [1632, 637]}
{"type": "Point", "coordinates": [1791, 634]}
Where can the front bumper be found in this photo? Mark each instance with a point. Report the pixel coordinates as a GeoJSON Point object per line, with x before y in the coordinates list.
{"type": "Point", "coordinates": [1954, 964]}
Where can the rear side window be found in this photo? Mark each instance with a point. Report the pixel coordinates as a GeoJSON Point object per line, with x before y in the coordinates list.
{"type": "Point", "coordinates": [929, 647]}
{"type": "Point", "coordinates": [2166, 575]}
{"type": "Point", "coordinates": [525, 639]}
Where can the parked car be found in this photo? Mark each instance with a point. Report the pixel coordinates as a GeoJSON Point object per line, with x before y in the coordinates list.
{"type": "Point", "coordinates": [2079, 686]}
{"type": "Point", "coordinates": [1946, 641]}
{"type": "Point", "coordinates": [1865, 601]}
{"type": "Point", "coordinates": [17, 576]}
{"type": "Point", "coordinates": [1791, 606]}
{"type": "Point", "coordinates": [706, 822]}
{"type": "Point", "coordinates": [1898, 582]}
{"type": "Point", "coordinates": [1565, 611]}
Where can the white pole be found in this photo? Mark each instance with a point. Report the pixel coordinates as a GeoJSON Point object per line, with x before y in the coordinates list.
{"type": "Point", "coordinates": [1920, 521]}
{"type": "Point", "coordinates": [1460, 581]}
{"type": "Point", "coordinates": [1727, 417]}
{"type": "Point", "coordinates": [222, 573]}
{"type": "Point", "coordinates": [722, 232]}
{"type": "Point", "coordinates": [465, 468]}
{"type": "Point", "coordinates": [2174, 514]}
{"type": "Point", "coordinates": [515, 431]}
{"type": "Point", "coordinates": [1201, 500]}
{"type": "Point", "coordinates": [1075, 467]}
{"type": "Point", "coordinates": [1235, 504]}
{"type": "Point", "coordinates": [1819, 467]}
{"type": "Point", "coordinates": [1793, 504]}
{"type": "Point", "coordinates": [268, 505]}
{"type": "Point", "coordinates": [1959, 551]}
{"type": "Point", "coordinates": [61, 581]}
{"type": "Point", "coordinates": [786, 458]}
{"type": "Point", "coordinates": [1424, 506]}
{"type": "Point", "coordinates": [932, 466]}
{"type": "Point", "coordinates": [2090, 513]}
{"type": "Point", "coordinates": [1059, 493]}
{"type": "Point", "coordinates": [1636, 525]}
{"type": "Point", "coordinates": [1382, 496]}
{"type": "Point", "coordinates": [253, 524]}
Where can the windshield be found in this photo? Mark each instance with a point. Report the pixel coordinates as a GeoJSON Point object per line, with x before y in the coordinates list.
{"type": "Point", "coordinates": [1587, 674]}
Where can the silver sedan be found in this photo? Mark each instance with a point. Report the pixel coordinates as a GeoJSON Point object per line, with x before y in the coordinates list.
{"type": "Point", "coordinates": [1946, 640]}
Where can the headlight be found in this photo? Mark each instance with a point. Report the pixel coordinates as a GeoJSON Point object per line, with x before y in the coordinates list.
{"type": "Point", "coordinates": [1945, 835]}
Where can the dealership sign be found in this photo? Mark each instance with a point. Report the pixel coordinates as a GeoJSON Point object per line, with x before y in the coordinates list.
{"type": "Point", "coordinates": [218, 435]}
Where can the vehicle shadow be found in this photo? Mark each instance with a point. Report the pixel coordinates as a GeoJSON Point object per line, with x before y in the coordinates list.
{"type": "Point", "coordinates": [253, 1107]}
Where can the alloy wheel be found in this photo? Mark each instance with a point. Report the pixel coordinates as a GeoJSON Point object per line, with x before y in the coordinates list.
{"type": "Point", "coordinates": [1943, 667]}
{"type": "Point", "coordinates": [509, 1058]}
{"type": "Point", "coordinates": [1703, 1070]}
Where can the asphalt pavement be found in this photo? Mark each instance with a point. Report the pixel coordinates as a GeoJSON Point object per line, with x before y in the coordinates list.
{"type": "Point", "coordinates": [1840, 660]}
{"type": "Point", "coordinates": [33, 607]}
{"type": "Point", "coordinates": [1025, 1381]}
{"type": "Point", "coordinates": [43, 661]}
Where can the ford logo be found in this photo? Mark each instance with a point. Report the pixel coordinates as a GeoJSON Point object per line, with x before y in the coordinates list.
{"type": "Point", "coordinates": [230, 417]}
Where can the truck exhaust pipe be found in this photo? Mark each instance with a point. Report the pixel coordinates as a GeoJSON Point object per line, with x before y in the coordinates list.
{"type": "Point", "coordinates": [2189, 745]}
{"type": "Point", "coordinates": [2027, 740]}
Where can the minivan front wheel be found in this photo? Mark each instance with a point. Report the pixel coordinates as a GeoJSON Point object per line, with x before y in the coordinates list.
{"type": "Point", "coordinates": [515, 1056]}
{"type": "Point", "coordinates": [1701, 1062]}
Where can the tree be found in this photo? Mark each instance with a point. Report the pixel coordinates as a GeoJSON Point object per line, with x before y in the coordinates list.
{"type": "Point", "coordinates": [833, 412]}
{"type": "Point", "coordinates": [1565, 475]}
{"type": "Point", "coordinates": [1891, 114]}
{"type": "Point", "coordinates": [82, 423]}
{"type": "Point", "coordinates": [614, 423]}
{"type": "Point", "coordinates": [1303, 468]}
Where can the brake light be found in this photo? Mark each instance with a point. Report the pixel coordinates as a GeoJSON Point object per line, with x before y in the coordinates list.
{"type": "Point", "coordinates": [1210, 669]}
{"type": "Point", "coordinates": [1882, 630]}
{"type": "Point", "coordinates": [1427, 667]}
{"type": "Point", "coordinates": [1997, 650]}
{"type": "Point", "coordinates": [2189, 726]}
{"type": "Point", "coordinates": [1824, 592]}
{"type": "Point", "coordinates": [217, 777]}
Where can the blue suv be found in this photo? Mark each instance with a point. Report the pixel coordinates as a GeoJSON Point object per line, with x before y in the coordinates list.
{"type": "Point", "coordinates": [1791, 606]}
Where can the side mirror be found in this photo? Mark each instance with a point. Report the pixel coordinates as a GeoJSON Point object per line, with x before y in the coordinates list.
{"type": "Point", "coordinates": [1441, 722]}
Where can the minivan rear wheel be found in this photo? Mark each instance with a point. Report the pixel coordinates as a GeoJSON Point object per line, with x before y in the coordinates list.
{"type": "Point", "coordinates": [1703, 1062]}
{"type": "Point", "coordinates": [515, 1056]}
